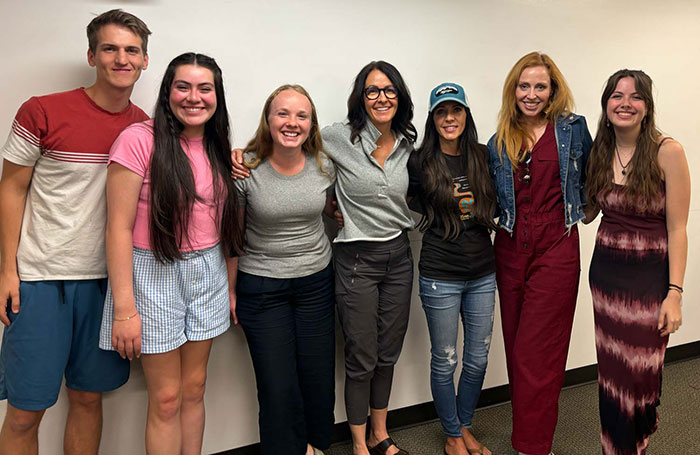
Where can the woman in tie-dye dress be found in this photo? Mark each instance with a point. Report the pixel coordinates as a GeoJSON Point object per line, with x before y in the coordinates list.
{"type": "Point", "coordinates": [640, 181]}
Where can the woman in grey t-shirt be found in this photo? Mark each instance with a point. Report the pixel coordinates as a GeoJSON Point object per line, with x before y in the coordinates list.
{"type": "Point", "coordinates": [284, 292]}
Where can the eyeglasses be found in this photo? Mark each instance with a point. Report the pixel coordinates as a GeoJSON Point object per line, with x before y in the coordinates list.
{"type": "Point", "coordinates": [372, 92]}
{"type": "Point", "coordinates": [524, 175]}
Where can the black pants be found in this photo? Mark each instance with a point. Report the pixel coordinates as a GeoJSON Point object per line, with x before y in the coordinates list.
{"type": "Point", "coordinates": [373, 292]}
{"type": "Point", "coordinates": [290, 328]}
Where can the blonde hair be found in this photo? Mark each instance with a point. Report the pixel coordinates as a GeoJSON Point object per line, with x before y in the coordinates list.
{"type": "Point", "coordinates": [261, 144]}
{"type": "Point", "coordinates": [511, 132]}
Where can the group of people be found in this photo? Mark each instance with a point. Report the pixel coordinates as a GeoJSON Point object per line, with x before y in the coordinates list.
{"type": "Point", "coordinates": [188, 249]}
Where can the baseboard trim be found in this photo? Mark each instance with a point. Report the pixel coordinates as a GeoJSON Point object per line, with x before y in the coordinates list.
{"type": "Point", "coordinates": [425, 412]}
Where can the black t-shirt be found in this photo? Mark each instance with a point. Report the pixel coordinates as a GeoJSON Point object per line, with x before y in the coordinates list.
{"type": "Point", "coordinates": [470, 255]}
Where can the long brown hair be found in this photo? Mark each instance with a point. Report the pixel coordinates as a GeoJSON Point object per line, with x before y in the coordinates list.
{"type": "Point", "coordinates": [261, 144]}
{"type": "Point", "coordinates": [511, 132]}
{"type": "Point", "coordinates": [644, 178]}
{"type": "Point", "coordinates": [173, 191]}
{"type": "Point", "coordinates": [437, 196]}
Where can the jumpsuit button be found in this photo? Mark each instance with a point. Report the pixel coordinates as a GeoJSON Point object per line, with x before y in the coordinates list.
{"type": "Point", "coordinates": [525, 245]}
{"type": "Point", "coordinates": [524, 232]}
{"type": "Point", "coordinates": [526, 198]}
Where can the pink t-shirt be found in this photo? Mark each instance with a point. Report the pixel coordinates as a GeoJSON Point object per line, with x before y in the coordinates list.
{"type": "Point", "coordinates": [132, 149]}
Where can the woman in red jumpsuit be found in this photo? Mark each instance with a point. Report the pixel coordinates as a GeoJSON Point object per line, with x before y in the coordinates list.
{"type": "Point", "coordinates": [538, 157]}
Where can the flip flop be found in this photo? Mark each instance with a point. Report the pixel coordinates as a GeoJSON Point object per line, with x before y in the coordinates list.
{"type": "Point", "coordinates": [382, 447]}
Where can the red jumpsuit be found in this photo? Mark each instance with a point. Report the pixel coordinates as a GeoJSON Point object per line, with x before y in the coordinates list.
{"type": "Point", "coordinates": [537, 270]}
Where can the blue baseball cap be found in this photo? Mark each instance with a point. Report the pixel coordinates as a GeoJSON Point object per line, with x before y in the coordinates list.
{"type": "Point", "coordinates": [447, 91]}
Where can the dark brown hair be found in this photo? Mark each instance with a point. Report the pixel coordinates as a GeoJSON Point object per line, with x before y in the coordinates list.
{"type": "Point", "coordinates": [644, 180]}
{"type": "Point", "coordinates": [173, 191]}
{"type": "Point", "coordinates": [437, 196]}
{"type": "Point", "coordinates": [357, 115]}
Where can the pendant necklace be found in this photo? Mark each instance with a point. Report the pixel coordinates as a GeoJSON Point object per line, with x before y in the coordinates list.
{"type": "Point", "coordinates": [623, 166]}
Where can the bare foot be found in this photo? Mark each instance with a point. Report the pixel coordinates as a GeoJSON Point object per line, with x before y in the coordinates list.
{"type": "Point", "coordinates": [473, 446]}
{"type": "Point", "coordinates": [455, 446]}
{"type": "Point", "coordinates": [359, 450]}
{"type": "Point", "coordinates": [310, 450]}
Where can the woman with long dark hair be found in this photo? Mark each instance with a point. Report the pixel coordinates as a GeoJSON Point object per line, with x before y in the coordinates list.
{"type": "Point", "coordinates": [639, 178]}
{"type": "Point", "coordinates": [451, 184]}
{"type": "Point", "coordinates": [172, 221]}
{"type": "Point", "coordinates": [538, 157]}
{"type": "Point", "coordinates": [284, 291]}
{"type": "Point", "coordinates": [372, 257]}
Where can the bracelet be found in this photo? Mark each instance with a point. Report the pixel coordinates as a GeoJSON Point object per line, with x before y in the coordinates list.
{"type": "Point", "coordinates": [675, 287]}
{"type": "Point", "coordinates": [127, 318]}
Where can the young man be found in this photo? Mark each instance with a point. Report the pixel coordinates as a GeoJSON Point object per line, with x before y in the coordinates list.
{"type": "Point", "coordinates": [52, 228]}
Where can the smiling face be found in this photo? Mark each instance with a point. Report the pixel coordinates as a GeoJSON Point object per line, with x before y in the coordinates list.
{"type": "Point", "coordinates": [449, 118]}
{"type": "Point", "coordinates": [289, 118]}
{"type": "Point", "coordinates": [118, 57]}
{"type": "Point", "coordinates": [625, 107]}
{"type": "Point", "coordinates": [533, 91]}
{"type": "Point", "coordinates": [382, 110]}
{"type": "Point", "coordinates": [193, 98]}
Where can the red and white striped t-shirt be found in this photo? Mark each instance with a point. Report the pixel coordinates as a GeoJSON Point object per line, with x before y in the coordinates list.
{"type": "Point", "coordinates": [66, 137]}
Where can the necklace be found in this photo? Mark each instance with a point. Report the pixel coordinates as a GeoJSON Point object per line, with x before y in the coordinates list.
{"type": "Point", "coordinates": [623, 166]}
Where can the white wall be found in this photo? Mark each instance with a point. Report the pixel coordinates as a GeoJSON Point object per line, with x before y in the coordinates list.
{"type": "Point", "coordinates": [322, 44]}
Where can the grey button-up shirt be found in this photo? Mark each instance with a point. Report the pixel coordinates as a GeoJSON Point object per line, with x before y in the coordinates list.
{"type": "Point", "coordinates": [371, 198]}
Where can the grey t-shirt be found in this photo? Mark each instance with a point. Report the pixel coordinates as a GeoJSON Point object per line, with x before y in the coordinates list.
{"type": "Point", "coordinates": [371, 198]}
{"type": "Point", "coordinates": [284, 230]}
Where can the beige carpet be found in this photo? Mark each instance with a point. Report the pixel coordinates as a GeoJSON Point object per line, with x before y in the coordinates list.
{"type": "Point", "coordinates": [577, 430]}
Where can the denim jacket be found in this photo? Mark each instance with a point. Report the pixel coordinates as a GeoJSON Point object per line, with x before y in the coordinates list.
{"type": "Point", "coordinates": [574, 145]}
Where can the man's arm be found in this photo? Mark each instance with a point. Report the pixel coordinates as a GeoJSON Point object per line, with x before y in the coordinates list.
{"type": "Point", "coordinates": [14, 185]}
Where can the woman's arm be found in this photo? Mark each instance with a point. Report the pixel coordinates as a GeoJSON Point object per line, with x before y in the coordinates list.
{"type": "Point", "coordinates": [232, 269]}
{"type": "Point", "coordinates": [123, 188]}
{"type": "Point", "coordinates": [590, 212]}
{"type": "Point", "coordinates": [677, 180]}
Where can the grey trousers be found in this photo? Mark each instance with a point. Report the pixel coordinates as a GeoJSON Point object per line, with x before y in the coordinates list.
{"type": "Point", "coordinates": [373, 293]}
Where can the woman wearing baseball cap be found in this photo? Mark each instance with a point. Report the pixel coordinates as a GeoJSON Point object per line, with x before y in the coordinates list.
{"type": "Point", "coordinates": [452, 189]}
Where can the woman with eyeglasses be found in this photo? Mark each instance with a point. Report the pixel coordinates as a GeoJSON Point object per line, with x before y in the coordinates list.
{"type": "Point", "coordinates": [537, 158]}
{"type": "Point", "coordinates": [372, 257]}
{"type": "Point", "coordinates": [452, 189]}
{"type": "Point", "coordinates": [640, 180]}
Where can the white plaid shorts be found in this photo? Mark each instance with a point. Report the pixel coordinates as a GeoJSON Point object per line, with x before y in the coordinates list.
{"type": "Point", "coordinates": [186, 300]}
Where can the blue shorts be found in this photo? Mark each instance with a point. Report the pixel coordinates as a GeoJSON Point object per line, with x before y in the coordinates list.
{"type": "Point", "coordinates": [186, 300]}
{"type": "Point", "coordinates": [56, 332]}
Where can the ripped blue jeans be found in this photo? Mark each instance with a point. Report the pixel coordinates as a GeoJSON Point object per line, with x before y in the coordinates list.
{"type": "Point", "coordinates": [443, 303]}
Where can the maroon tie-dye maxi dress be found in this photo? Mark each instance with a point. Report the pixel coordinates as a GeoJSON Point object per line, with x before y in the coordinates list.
{"type": "Point", "coordinates": [629, 280]}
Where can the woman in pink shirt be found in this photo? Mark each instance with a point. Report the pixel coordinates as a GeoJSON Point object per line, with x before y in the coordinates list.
{"type": "Point", "coordinates": [171, 225]}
